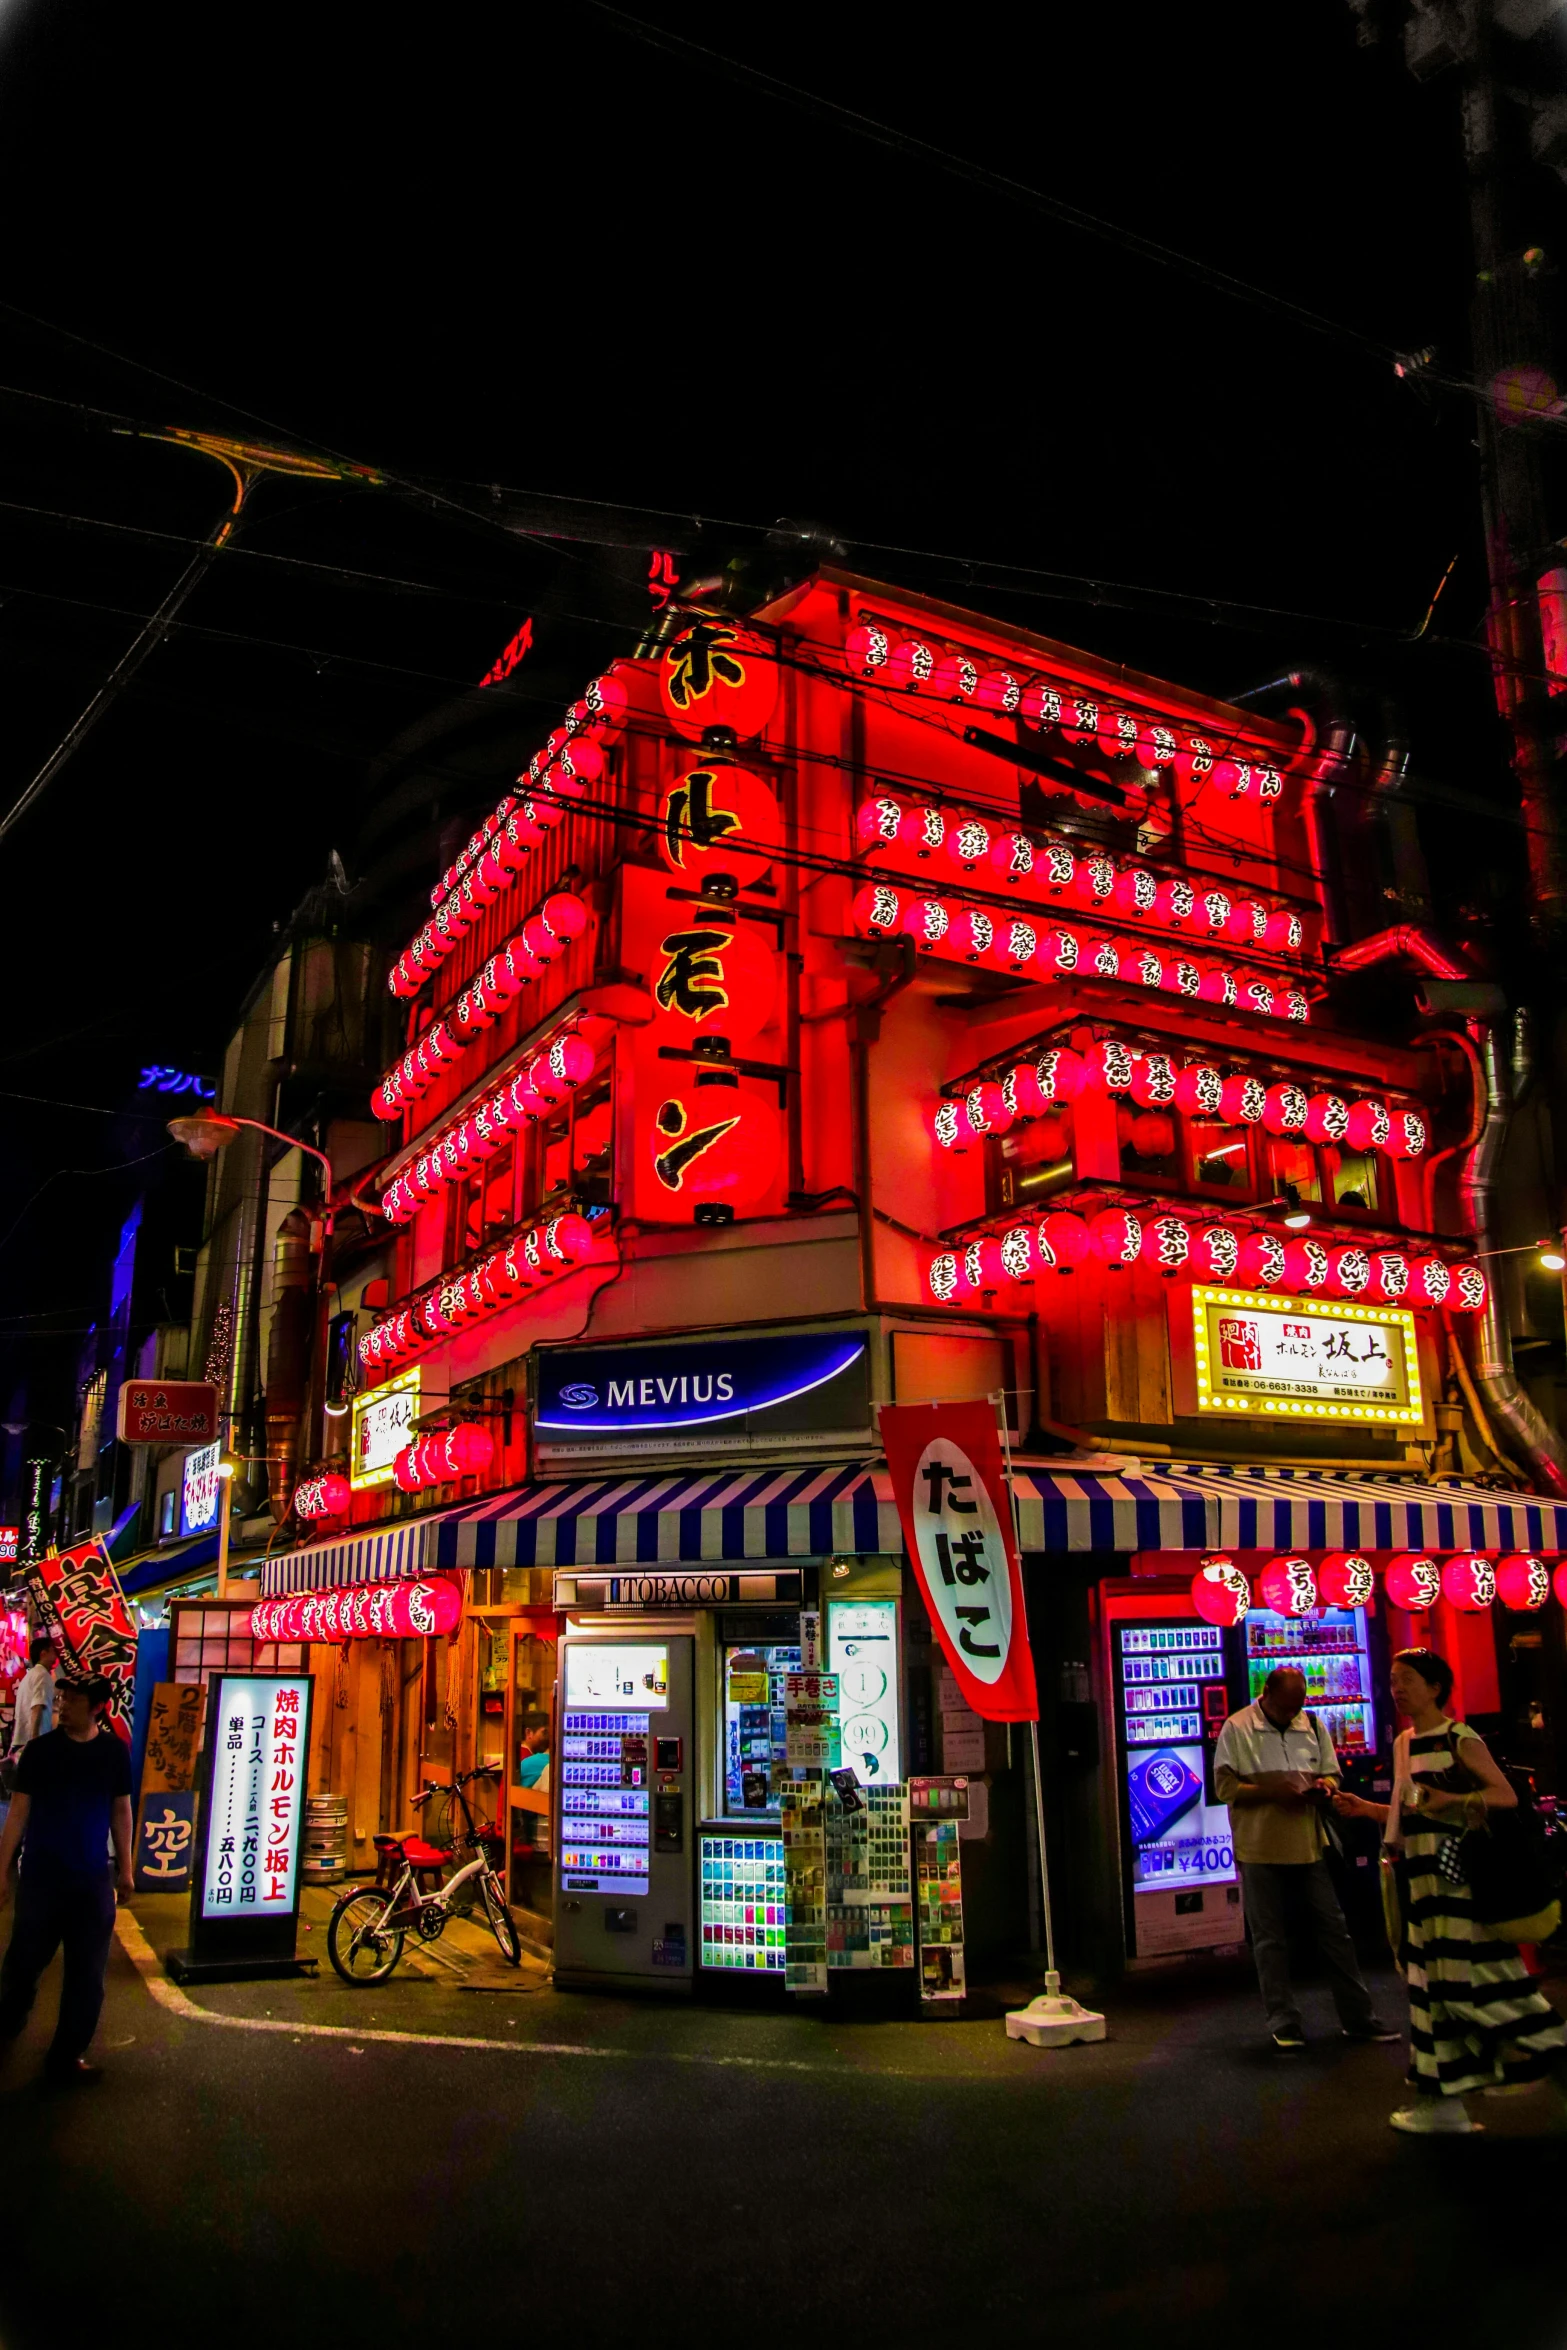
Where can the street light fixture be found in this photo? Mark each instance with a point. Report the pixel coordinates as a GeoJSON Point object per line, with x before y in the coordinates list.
{"type": "Point", "coordinates": [206, 1132]}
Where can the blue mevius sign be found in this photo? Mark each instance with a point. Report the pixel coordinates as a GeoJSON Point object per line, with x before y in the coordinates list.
{"type": "Point", "coordinates": [729, 1385]}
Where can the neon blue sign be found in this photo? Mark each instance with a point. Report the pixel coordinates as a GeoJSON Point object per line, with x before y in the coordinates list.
{"type": "Point", "coordinates": [594, 1392]}
{"type": "Point", "coordinates": [158, 1078]}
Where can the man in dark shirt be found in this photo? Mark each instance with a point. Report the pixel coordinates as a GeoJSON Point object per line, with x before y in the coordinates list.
{"type": "Point", "coordinates": [73, 1795]}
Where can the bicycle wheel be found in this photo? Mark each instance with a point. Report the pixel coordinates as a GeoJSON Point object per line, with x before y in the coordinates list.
{"type": "Point", "coordinates": [361, 1945]}
{"type": "Point", "coordinates": [502, 1924]}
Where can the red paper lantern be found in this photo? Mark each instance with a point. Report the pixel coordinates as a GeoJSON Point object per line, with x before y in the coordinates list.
{"type": "Point", "coordinates": [1016, 1246]}
{"type": "Point", "coordinates": [987, 1108]}
{"type": "Point", "coordinates": [1080, 717]}
{"type": "Point", "coordinates": [1327, 1118]}
{"type": "Point", "coordinates": [1410, 1134]}
{"type": "Point", "coordinates": [1220, 1593]}
{"type": "Point", "coordinates": [1218, 985]}
{"type": "Point", "coordinates": [1101, 958]}
{"type": "Point", "coordinates": [1429, 1282]}
{"type": "Point", "coordinates": [1289, 1587]}
{"type": "Point", "coordinates": [1118, 733]}
{"type": "Point", "coordinates": [1175, 902]}
{"type": "Point", "coordinates": [1349, 1270]}
{"type": "Point", "coordinates": [1061, 1074]}
{"type": "Point", "coordinates": [1285, 934]}
{"type": "Point", "coordinates": [1469, 1582]}
{"type": "Point", "coordinates": [1167, 1244]}
{"type": "Point", "coordinates": [1389, 1283]}
{"type": "Point", "coordinates": [1193, 760]}
{"type": "Point", "coordinates": [1214, 908]}
{"type": "Point", "coordinates": [1199, 1090]}
{"type": "Point", "coordinates": [1469, 1291]}
{"type": "Point", "coordinates": [606, 703]}
{"type": "Point", "coordinates": [1013, 859]}
{"type": "Point", "coordinates": [1095, 879]}
{"type": "Point", "coordinates": [1155, 744]}
{"type": "Point", "coordinates": [866, 650]}
{"type": "Point", "coordinates": [941, 1277]}
{"type": "Point", "coordinates": [1248, 922]}
{"type": "Point", "coordinates": [927, 921]}
{"type": "Point", "coordinates": [1243, 1102]}
{"type": "Point", "coordinates": [1523, 1582]}
{"type": "Point", "coordinates": [999, 690]}
{"type": "Point", "coordinates": [967, 844]}
{"type": "Point", "coordinates": [1414, 1582]}
{"type": "Point", "coordinates": [1116, 1238]}
{"type": "Point", "coordinates": [911, 666]}
{"type": "Point", "coordinates": [956, 678]}
{"type": "Point", "coordinates": [1285, 1110]}
{"type": "Point", "coordinates": [1154, 1080]}
{"type": "Point", "coordinates": [1216, 1252]}
{"type": "Point", "coordinates": [1368, 1126]}
{"type": "Point", "coordinates": [877, 911]}
{"type": "Point", "coordinates": [1151, 1134]}
{"type": "Point", "coordinates": [1055, 868]}
{"type": "Point", "coordinates": [1344, 1579]}
{"type": "Point", "coordinates": [1063, 1240]}
{"type": "Point", "coordinates": [1016, 944]}
{"type": "Point", "coordinates": [717, 672]}
{"type": "Point", "coordinates": [1136, 891]}
{"type": "Point", "coordinates": [1262, 1261]}
{"type": "Point", "coordinates": [718, 820]}
{"type": "Point", "coordinates": [326, 1496]}
{"type": "Point", "coordinates": [1143, 967]}
{"type": "Point", "coordinates": [1059, 950]}
{"type": "Point", "coordinates": [1110, 1065]}
{"type": "Point", "coordinates": [362, 1611]}
{"type": "Point", "coordinates": [949, 1124]}
{"type": "Point", "coordinates": [714, 1146]}
{"type": "Point", "coordinates": [1041, 705]}
{"type": "Point", "coordinates": [1257, 995]}
{"type": "Point", "coordinates": [971, 935]}
{"type": "Point", "coordinates": [1307, 1266]}
{"type": "Point", "coordinates": [980, 1269]}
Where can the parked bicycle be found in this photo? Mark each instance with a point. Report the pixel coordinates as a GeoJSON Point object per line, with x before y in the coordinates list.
{"type": "Point", "coordinates": [371, 1922]}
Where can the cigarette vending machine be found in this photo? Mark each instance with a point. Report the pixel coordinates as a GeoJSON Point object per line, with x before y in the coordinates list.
{"type": "Point", "coordinates": [623, 1830]}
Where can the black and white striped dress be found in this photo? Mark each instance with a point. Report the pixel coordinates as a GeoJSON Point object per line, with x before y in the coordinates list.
{"type": "Point", "coordinates": [1474, 2019]}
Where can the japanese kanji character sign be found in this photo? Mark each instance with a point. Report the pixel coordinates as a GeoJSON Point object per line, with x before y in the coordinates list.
{"type": "Point", "coordinates": [956, 1514]}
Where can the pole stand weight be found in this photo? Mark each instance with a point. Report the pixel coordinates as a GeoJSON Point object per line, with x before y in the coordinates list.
{"type": "Point", "coordinates": [1054, 2019]}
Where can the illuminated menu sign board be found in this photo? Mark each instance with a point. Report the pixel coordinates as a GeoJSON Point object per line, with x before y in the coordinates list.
{"type": "Point", "coordinates": [244, 1906]}
{"type": "Point", "coordinates": [383, 1425]}
{"type": "Point", "coordinates": [200, 1499]}
{"type": "Point", "coordinates": [1296, 1358]}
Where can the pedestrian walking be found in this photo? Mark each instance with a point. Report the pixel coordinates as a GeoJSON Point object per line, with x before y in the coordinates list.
{"type": "Point", "coordinates": [1276, 1769]}
{"type": "Point", "coordinates": [72, 1800]}
{"type": "Point", "coordinates": [1475, 2022]}
{"type": "Point", "coordinates": [35, 1694]}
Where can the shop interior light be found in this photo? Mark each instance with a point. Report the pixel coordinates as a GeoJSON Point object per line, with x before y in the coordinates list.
{"type": "Point", "coordinates": [1297, 1220]}
{"type": "Point", "coordinates": [1553, 1261]}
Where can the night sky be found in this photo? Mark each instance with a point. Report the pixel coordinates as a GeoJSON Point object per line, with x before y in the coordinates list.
{"type": "Point", "coordinates": [582, 298]}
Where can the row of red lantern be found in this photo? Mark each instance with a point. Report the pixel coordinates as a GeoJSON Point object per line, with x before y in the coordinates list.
{"type": "Point", "coordinates": [1004, 942]}
{"type": "Point", "coordinates": [326, 1496]}
{"type": "Point", "coordinates": [549, 930]}
{"type": "Point", "coordinates": [910, 665]}
{"type": "Point", "coordinates": [464, 1451]}
{"type": "Point", "coordinates": [362, 1611]}
{"type": "Point", "coordinates": [564, 1065]}
{"type": "Point", "coordinates": [1156, 1081]}
{"type": "Point", "coordinates": [572, 763]}
{"type": "Point", "coordinates": [1297, 1265]}
{"type": "Point", "coordinates": [530, 1260]}
{"type": "Point", "coordinates": [1296, 1586]}
{"type": "Point", "coordinates": [1042, 870]}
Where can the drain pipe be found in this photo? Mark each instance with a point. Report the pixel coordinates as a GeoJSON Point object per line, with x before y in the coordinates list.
{"type": "Point", "coordinates": [1404, 939]}
{"type": "Point", "coordinates": [1511, 1406]}
{"type": "Point", "coordinates": [1322, 759]}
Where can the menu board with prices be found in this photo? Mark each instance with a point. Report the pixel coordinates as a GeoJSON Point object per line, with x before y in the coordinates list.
{"type": "Point", "coordinates": [604, 1803]}
{"type": "Point", "coordinates": [811, 1721]}
{"type": "Point", "coordinates": [742, 1903]}
{"type": "Point", "coordinates": [805, 1885]}
{"type": "Point", "coordinates": [870, 1918]}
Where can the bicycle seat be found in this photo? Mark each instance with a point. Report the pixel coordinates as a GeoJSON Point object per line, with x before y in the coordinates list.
{"type": "Point", "coordinates": [420, 1855]}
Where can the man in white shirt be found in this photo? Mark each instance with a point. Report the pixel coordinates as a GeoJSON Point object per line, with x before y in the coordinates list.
{"type": "Point", "coordinates": [35, 1694]}
{"type": "Point", "coordinates": [1275, 1767]}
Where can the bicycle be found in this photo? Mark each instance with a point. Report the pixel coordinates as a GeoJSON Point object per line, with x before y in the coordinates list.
{"type": "Point", "coordinates": [370, 1922]}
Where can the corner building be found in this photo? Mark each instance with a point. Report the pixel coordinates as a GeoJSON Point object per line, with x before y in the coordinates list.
{"type": "Point", "coordinates": [857, 1002]}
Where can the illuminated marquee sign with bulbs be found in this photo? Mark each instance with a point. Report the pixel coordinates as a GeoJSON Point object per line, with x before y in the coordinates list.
{"type": "Point", "coordinates": [1245, 1353]}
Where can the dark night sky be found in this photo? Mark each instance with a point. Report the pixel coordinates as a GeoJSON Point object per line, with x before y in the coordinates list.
{"type": "Point", "coordinates": [519, 248]}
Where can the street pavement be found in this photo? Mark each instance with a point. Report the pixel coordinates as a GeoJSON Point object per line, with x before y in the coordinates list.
{"type": "Point", "coordinates": [471, 2150]}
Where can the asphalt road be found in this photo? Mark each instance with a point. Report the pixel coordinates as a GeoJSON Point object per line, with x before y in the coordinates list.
{"type": "Point", "coordinates": [655, 2175]}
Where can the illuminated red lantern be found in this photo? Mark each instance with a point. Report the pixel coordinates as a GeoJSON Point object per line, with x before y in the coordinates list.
{"type": "Point", "coordinates": [1410, 1134]}
{"type": "Point", "coordinates": [1061, 1074]}
{"type": "Point", "coordinates": [1041, 705]}
{"type": "Point", "coordinates": [1349, 1270]}
{"type": "Point", "coordinates": [1013, 858]}
{"type": "Point", "coordinates": [717, 672]}
{"type": "Point", "coordinates": [1080, 717]}
{"type": "Point", "coordinates": [1015, 945]}
{"type": "Point", "coordinates": [1199, 1090]}
{"type": "Point", "coordinates": [1218, 985]}
{"type": "Point", "coordinates": [1155, 744]}
{"type": "Point", "coordinates": [1016, 1248]}
{"type": "Point", "coordinates": [1389, 1283]}
{"type": "Point", "coordinates": [1216, 1252]}
{"type": "Point", "coordinates": [1327, 1118]}
{"type": "Point", "coordinates": [1095, 879]}
{"type": "Point", "coordinates": [1174, 902]}
{"type": "Point", "coordinates": [941, 1277]}
{"type": "Point", "coordinates": [1257, 994]}
{"type": "Point", "coordinates": [1143, 967]}
{"type": "Point", "coordinates": [714, 1146]}
{"type": "Point", "coordinates": [419, 1610]}
{"type": "Point", "coordinates": [1368, 1126]}
{"type": "Point", "coordinates": [1167, 1244]}
{"type": "Point", "coordinates": [1469, 1582]}
{"type": "Point", "coordinates": [568, 1240]}
{"type": "Point", "coordinates": [988, 1112]}
{"type": "Point", "coordinates": [1469, 1291]}
{"type": "Point", "coordinates": [1154, 1080]}
{"type": "Point", "coordinates": [878, 823]}
{"type": "Point", "coordinates": [1307, 1266]}
{"type": "Point", "coordinates": [327, 1496]}
{"type": "Point", "coordinates": [1116, 1238]}
{"type": "Point", "coordinates": [1220, 1593]}
{"type": "Point", "coordinates": [1429, 1282]}
{"type": "Point", "coordinates": [1055, 868]}
{"type": "Point", "coordinates": [980, 1270]}
{"type": "Point", "coordinates": [866, 651]}
{"type": "Point", "coordinates": [1152, 1134]}
{"type": "Point", "coordinates": [1110, 1065]}
{"type": "Point", "coordinates": [1286, 1109]}
{"type": "Point", "coordinates": [911, 666]}
{"type": "Point", "coordinates": [1101, 958]}
{"type": "Point", "coordinates": [1182, 976]}
{"type": "Point", "coordinates": [1285, 934]}
{"type": "Point", "coordinates": [999, 690]}
{"type": "Point", "coordinates": [967, 844]}
{"type": "Point", "coordinates": [1063, 1240]}
{"type": "Point", "coordinates": [1247, 923]}
{"type": "Point", "coordinates": [1289, 1587]}
{"type": "Point", "coordinates": [717, 821]}
{"type": "Point", "coordinates": [971, 935]}
{"type": "Point", "coordinates": [1193, 759]}
{"type": "Point", "coordinates": [1244, 1101]}
{"type": "Point", "coordinates": [1136, 891]}
{"type": "Point", "coordinates": [1020, 1090]}
{"type": "Point", "coordinates": [1414, 1582]}
{"type": "Point", "coordinates": [1214, 908]}
{"type": "Point", "coordinates": [1523, 1582]}
{"type": "Point", "coordinates": [927, 921]}
{"type": "Point", "coordinates": [1261, 1264]}
{"type": "Point", "coordinates": [607, 702]}
{"type": "Point", "coordinates": [1118, 732]}
{"type": "Point", "coordinates": [1344, 1579]}
{"type": "Point", "coordinates": [949, 1123]}
{"type": "Point", "coordinates": [956, 678]}
{"type": "Point", "coordinates": [877, 911]}
{"type": "Point", "coordinates": [470, 1448]}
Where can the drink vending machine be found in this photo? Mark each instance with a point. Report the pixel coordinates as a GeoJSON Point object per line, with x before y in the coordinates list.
{"type": "Point", "coordinates": [623, 1823]}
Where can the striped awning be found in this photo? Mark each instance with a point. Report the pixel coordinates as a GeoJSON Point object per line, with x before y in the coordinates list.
{"type": "Point", "coordinates": [381, 1554]}
{"type": "Point", "coordinates": [652, 1521]}
{"type": "Point", "coordinates": [1334, 1509]}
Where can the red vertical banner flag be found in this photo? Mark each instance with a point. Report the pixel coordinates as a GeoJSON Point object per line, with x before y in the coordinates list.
{"type": "Point", "coordinates": [77, 1594]}
{"type": "Point", "coordinates": [956, 1514]}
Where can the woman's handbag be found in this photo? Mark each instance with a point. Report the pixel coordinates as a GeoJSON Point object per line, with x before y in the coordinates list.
{"type": "Point", "coordinates": [1503, 1860]}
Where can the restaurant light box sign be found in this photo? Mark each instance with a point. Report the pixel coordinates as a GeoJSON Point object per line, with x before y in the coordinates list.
{"type": "Point", "coordinates": [1242, 1353]}
{"type": "Point", "coordinates": [249, 1843]}
{"type": "Point", "coordinates": [383, 1423]}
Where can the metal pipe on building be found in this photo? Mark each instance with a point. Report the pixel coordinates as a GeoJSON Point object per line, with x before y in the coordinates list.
{"type": "Point", "coordinates": [1515, 1413]}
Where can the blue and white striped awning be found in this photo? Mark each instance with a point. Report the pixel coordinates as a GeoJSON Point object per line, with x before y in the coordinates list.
{"type": "Point", "coordinates": [804, 1513]}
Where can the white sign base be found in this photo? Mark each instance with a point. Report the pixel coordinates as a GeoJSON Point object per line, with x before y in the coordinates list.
{"type": "Point", "coordinates": [1054, 2019]}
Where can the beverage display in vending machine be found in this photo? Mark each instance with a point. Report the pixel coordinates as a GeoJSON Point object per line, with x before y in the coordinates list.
{"type": "Point", "coordinates": [1329, 1648]}
{"type": "Point", "coordinates": [623, 1863]}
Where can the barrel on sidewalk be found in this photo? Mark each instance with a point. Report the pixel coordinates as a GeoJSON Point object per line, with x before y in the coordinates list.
{"type": "Point", "coordinates": [326, 1839]}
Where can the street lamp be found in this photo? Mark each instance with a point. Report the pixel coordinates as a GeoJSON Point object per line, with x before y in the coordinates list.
{"type": "Point", "coordinates": [226, 1468]}
{"type": "Point", "coordinates": [206, 1132]}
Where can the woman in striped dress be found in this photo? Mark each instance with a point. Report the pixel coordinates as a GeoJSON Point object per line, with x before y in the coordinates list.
{"type": "Point", "coordinates": [1475, 2022]}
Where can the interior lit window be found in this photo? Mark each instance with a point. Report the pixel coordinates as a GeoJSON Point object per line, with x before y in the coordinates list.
{"type": "Point", "coordinates": [1352, 1176]}
{"type": "Point", "coordinates": [1150, 1145]}
{"type": "Point", "coordinates": [1292, 1165]}
{"type": "Point", "coordinates": [1037, 1159]}
{"type": "Point", "coordinates": [1221, 1155]}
